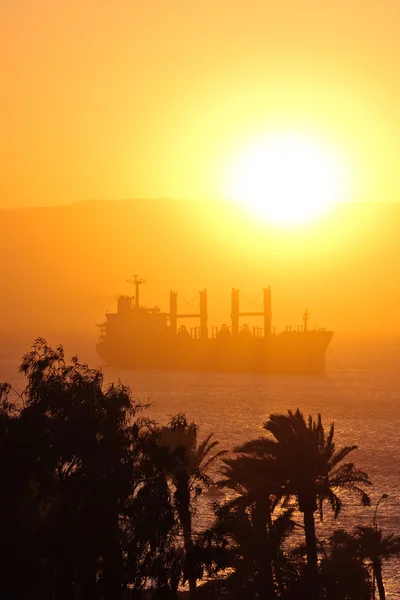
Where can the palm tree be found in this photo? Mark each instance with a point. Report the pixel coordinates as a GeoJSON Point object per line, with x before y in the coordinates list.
{"type": "Point", "coordinates": [343, 574]}
{"type": "Point", "coordinates": [240, 547]}
{"type": "Point", "coordinates": [377, 548]}
{"type": "Point", "coordinates": [257, 494]}
{"type": "Point", "coordinates": [188, 463]}
{"type": "Point", "coordinates": [310, 470]}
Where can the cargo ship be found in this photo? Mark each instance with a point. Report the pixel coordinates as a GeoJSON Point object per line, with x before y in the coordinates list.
{"type": "Point", "coordinates": [139, 337]}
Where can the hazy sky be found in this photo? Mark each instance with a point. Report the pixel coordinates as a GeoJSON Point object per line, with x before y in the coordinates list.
{"type": "Point", "coordinates": [62, 267]}
{"type": "Point", "coordinates": [148, 98]}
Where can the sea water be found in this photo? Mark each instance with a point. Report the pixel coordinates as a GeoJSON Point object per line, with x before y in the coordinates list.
{"type": "Point", "coordinates": [360, 394]}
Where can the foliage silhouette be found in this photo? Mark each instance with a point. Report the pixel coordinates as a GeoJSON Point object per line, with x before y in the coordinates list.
{"type": "Point", "coordinates": [99, 500]}
{"type": "Point", "coordinates": [377, 548]}
{"type": "Point", "coordinates": [257, 491]}
{"type": "Point", "coordinates": [79, 471]}
{"type": "Point", "coordinates": [310, 469]}
{"type": "Point", "coordinates": [188, 463]}
{"type": "Point", "coordinates": [344, 575]}
{"type": "Point", "coordinates": [243, 546]}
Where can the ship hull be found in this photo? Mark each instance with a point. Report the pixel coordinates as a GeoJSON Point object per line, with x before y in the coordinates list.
{"type": "Point", "coordinates": [284, 353]}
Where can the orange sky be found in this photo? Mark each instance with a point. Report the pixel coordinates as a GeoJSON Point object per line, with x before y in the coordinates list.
{"type": "Point", "coordinates": [155, 99]}
{"type": "Point", "coordinates": [150, 98]}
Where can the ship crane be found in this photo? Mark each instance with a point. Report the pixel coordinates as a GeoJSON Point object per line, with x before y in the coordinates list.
{"type": "Point", "coordinates": [202, 314]}
{"type": "Point", "coordinates": [136, 281]}
{"type": "Point", "coordinates": [266, 313]}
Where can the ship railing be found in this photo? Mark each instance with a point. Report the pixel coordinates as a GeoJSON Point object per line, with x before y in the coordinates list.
{"type": "Point", "coordinates": [255, 332]}
{"type": "Point", "coordinates": [220, 331]}
{"type": "Point", "coordinates": [258, 332]}
{"type": "Point", "coordinates": [300, 329]}
{"type": "Point", "coordinates": [154, 309]}
{"type": "Point", "coordinates": [195, 333]}
{"type": "Point", "coordinates": [243, 332]}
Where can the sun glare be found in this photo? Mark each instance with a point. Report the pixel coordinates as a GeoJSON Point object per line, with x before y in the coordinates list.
{"type": "Point", "coordinates": [287, 179]}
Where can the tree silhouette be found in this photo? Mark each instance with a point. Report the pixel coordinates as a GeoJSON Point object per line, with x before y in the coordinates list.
{"type": "Point", "coordinates": [76, 458]}
{"type": "Point", "coordinates": [188, 463]}
{"type": "Point", "coordinates": [257, 492]}
{"type": "Point", "coordinates": [237, 541]}
{"type": "Point", "coordinates": [377, 548]}
{"type": "Point", "coordinates": [98, 500]}
{"type": "Point", "coordinates": [343, 573]}
{"type": "Point", "coordinates": [311, 470]}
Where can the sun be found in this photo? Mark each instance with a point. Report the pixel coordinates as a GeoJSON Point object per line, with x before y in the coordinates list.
{"type": "Point", "coordinates": [287, 179]}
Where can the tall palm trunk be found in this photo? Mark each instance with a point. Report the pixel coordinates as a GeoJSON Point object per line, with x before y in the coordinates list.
{"type": "Point", "coordinates": [86, 584]}
{"type": "Point", "coordinates": [265, 576]}
{"type": "Point", "coordinates": [263, 526]}
{"type": "Point", "coordinates": [379, 581]}
{"type": "Point", "coordinates": [183, 506]}
{"type": "Point", "coordinates": [187, 537]}
{"type": "Point", "coordinates": [274, 549]}
{"type": "Point", "coordinates": [312, 557]}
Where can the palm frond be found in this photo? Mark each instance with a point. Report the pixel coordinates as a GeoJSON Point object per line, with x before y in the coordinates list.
{"type": "Point", "coordinates": [202, 448]}
{"type": "Point", "coordinates": [340, 455]}
{"type": "Point", "coordinates": [335, 502]}
{"type": "Point", "coordinates": [213, 459]}
{"type": "Point", "coordinates": [261, 447]}
{"type": "Point", "coordinates": [348, 474]}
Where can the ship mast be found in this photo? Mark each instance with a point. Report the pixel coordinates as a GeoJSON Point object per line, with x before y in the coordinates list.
{"type": "Point", "coordinates": [136, 281]}
{"type": "Point", "coordinates": [306, 314]}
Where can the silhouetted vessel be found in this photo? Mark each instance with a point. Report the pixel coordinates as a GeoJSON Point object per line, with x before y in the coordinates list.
{"type": "Point", "coordinates": [139, 337]}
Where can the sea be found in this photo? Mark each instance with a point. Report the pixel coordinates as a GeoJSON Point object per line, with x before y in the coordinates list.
{"type": "Point", "coordinates": [360, 394]}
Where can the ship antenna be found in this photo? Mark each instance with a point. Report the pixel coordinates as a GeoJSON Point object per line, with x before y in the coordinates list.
{"type": "Point", "coordinates": [136, 281]}
{"type": "Point", "coordinates": [306, 314]}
